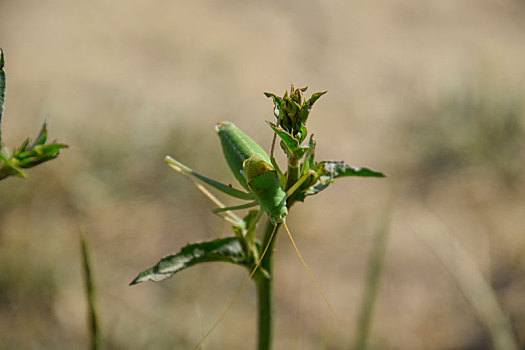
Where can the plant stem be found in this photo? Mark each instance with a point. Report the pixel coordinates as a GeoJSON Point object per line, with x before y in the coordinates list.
{"type": "Point", "coordinates": [265, 289]}
{"type": "Point", "coordinates": [265, 284]}
{"type": "Point", "coordinates": [292, 173]}
{"type": "Point", "coordinates": [94, 330]}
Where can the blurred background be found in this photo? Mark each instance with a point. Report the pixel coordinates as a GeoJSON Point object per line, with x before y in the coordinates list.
{"type": "Point", "coordinates": [429, 92]}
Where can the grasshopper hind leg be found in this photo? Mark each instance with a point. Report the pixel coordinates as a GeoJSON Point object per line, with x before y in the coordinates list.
{"type": "Point", "coordinates": [236, 207]}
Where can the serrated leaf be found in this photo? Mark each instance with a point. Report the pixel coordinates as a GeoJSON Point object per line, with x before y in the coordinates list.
{"type": "Point", "coordinates": [222, 250]}
{"type": "Point", "coordinates": [330, 170]}
{"type": "Point", "coordinates": [340, 169]}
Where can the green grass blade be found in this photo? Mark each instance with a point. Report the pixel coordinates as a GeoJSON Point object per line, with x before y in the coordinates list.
{"type": "Point", "coordinates": [373, 281]}
{"type": "Point", "coordinates": [95, 335]}
{"type": "Point", "coordinates": [467, 275]}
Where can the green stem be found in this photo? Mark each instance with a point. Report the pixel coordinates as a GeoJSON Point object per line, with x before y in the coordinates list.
{"type": "Point", "coordinates": [265, 289]}
{"type": "Point", "coordinates": [292, 175]}
{"type": "Point", "coordinates": [265, 284]}
{"type": "Point", "coordinates": [94, 329]}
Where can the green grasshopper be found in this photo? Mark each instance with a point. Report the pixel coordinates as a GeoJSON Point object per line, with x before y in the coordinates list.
{"type": "Point", "coordinates": [253, 169]}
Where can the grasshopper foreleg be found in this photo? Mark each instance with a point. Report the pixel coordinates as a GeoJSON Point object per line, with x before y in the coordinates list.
{"type": "Point", "coordinates": [299, 182]}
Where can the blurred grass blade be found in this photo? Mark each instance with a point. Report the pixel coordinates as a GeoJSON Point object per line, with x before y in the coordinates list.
{"type": "Point", "coordinates": [469, 278]}
{"type": "Point", "coordinates": [219, 250]}
{"type": "Point", "coordinates": [373, 281]}
{"type": "Point", "coordinates": [89, 284]}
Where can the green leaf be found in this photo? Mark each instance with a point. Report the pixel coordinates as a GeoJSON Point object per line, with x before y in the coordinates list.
{"type": "Point", "coordinates": [39, 154]}
{"type": "Point", "coordinates": [28, 156]}
{"type": "Point", "coordinates": [293, 147]}
{"type": "Point", "coordinates": [291, 106]}
{"type": "Point", "coordinates": [292, 111]}
{"type": "Point", "coordinates": [314, 98]}
{"type": "Point", "coordinates": [303, 132]}
{"type": "Point", "coordinates": [278, 103]}
{"type": "Point", "coordinates": [223, 249]}
{"type": "Point", "coordinates": [309, 157]}
{"type": "Point", "coordinates": [328, 171]}
{"type": "Point", "coordinates": [42, 136]}
{"type": "Point", "coordinates": [296, 94]}
{"type": "Point", "coordinates": [339, 169]}
{"type": "Point", "coordinates": [22, 147]}
{"type": "Point", "coordinates": [9, 165]}
{"type": "Point", "coordinates": [307, 106]}
{"type": "Point", "coordinates": [2, 90]}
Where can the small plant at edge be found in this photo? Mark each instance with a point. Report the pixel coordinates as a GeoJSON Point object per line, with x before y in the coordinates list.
{"type": "Point", "coordinates": [28, 154]}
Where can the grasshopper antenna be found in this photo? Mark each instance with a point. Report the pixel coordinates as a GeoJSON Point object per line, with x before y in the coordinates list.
{"type": "Point", "coordinates": [243, 287]}
{"type": "Point", "coordinates": [310, 273]}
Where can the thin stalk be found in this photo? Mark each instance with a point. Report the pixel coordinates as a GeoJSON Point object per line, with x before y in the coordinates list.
{"type": "Point", "coordinates": [265, 289]}
{"type": "Point", "coordinates": [94, 329]}
{"type": "Point", "coordinates": [467, 275]}
{"type": "Point", "coordinates": [373, 281]}
{"type": "Point", "coordinates": [292, 175]}
{"type": "Point", "coordinates": [265, 284]}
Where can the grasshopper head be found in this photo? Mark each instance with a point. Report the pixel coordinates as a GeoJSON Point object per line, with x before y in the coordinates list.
{"type": "Point", "coordinates": [278, 214]}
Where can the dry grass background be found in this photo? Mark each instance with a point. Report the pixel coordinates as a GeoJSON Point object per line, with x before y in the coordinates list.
{"type": "Point", "coordinates": [429, 92]}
